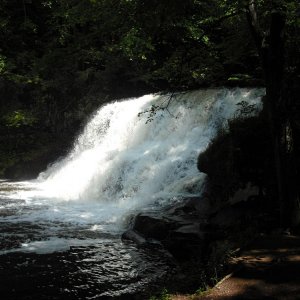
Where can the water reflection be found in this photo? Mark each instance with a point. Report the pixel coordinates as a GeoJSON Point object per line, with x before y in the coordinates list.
{"type": "Point", "coordinates": [47, 251]}
{"type": "Point", "coordinates": [107, 270]}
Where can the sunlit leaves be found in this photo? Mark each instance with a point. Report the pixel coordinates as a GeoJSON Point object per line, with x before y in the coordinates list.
{"type": "Point", "coordinates": [20, 118]}
{"type": "Point", "coordinates": [2, 63]}
{"type": "Point", "coordinates": [135, 46]}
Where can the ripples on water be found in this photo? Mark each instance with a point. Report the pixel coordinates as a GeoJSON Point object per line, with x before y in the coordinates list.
{"type": "Point", "coordinates": [64, 259]}
{"type": "Point", "coordinates": [106, 270]}
{"type": "Point", "coordinates": [57, 243]}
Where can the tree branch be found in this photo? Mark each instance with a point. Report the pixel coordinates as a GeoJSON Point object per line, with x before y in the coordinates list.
{"type": "Point", "coordinates": [254, 25]}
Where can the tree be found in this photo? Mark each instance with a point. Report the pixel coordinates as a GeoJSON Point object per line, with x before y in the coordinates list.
{"type": "Point", "coordinates": [271, 46]}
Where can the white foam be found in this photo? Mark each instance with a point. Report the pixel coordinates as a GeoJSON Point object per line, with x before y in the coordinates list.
{"type": "Point", "coordinates": [118, 156]}
{"type": "Point", "coordinates": [121, 164]}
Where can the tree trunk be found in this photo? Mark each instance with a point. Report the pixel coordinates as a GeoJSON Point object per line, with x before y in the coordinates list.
{"type": "Point", "coordinates": [271, 50]}
{"type": "Point", "coordinates": [280, 124]}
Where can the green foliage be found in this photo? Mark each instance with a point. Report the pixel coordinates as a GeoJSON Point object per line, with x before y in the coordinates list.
{"type": "Point", "coordinates": [165, 295]}
{"type": "Point", "coordinates": [60, 59]}
{"type": "Point", "coordinates": [20, 118]}
{"type": "Point", "coordinates": [2, 64]}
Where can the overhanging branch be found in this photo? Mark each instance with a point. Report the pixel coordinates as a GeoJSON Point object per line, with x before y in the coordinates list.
{"type": "Point", "coordinates": [252, 19]}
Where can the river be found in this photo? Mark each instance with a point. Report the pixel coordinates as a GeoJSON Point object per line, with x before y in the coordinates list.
{"type": "Point", "coordinates": [61, 233]}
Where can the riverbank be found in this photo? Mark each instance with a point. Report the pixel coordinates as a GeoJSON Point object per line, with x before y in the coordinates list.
{"type": "Point", "coordinates": [268, 268]}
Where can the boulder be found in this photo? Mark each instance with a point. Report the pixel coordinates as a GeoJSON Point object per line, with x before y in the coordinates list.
{"type": "Point", "coordinates": [176, 229]}
{"type": "Point", "coordinates": [155, 227]}
{"type": "Point", "coordinates": [133, 236]}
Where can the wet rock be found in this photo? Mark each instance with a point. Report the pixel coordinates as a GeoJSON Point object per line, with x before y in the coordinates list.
{"type": "Point", "coordinates": [243, 194]}
{"type": "Point", "coordinates": [154, 226]}
{"type": "Point", "coordinates": [199, 207]}
{"type": "Point", "coordinates": [238, 214]}
{"type": "Point", "coordinates": [131, 235]}
{"type": "Point", "coordinates": [187, 229]}
{"type": "Point", "coordinates": [226, 218]}
{"type": "Point", "coordinates": [135, 237]}
{"type": "Point", "coordinates": [179, 233]}
{"type": "Point", "coordinates": [186, 242]}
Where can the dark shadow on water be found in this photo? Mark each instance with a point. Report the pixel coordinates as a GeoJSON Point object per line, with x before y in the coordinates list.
{"type": "Point", "coordinates": [108, 270]}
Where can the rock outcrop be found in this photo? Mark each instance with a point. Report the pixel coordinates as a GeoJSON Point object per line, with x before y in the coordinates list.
{"type": "Point", "coordinates": [187, 230]}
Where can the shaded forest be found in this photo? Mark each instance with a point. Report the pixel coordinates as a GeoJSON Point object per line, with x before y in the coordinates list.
{"type": "Point", "coordinates": [59, 60]}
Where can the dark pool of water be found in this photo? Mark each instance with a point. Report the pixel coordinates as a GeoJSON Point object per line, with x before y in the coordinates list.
{"type": "Point", "coordinates": [106, 270]}
{"type": "Point", "coordinates": [94, 265]}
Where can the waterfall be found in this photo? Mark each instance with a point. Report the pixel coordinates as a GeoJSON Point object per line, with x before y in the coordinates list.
{"type": "Point", "coordinates": [126, 159]}
{"type": "Point", "coordinates": [125, 155]}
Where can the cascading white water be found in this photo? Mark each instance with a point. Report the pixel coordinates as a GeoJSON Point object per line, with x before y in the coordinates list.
{"type": "Point", "coordinates": [60, 234]}
{"type": "Point", "coordinates": [119, 157]}
{"type": "Point", "coordinates": [119, 164]}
